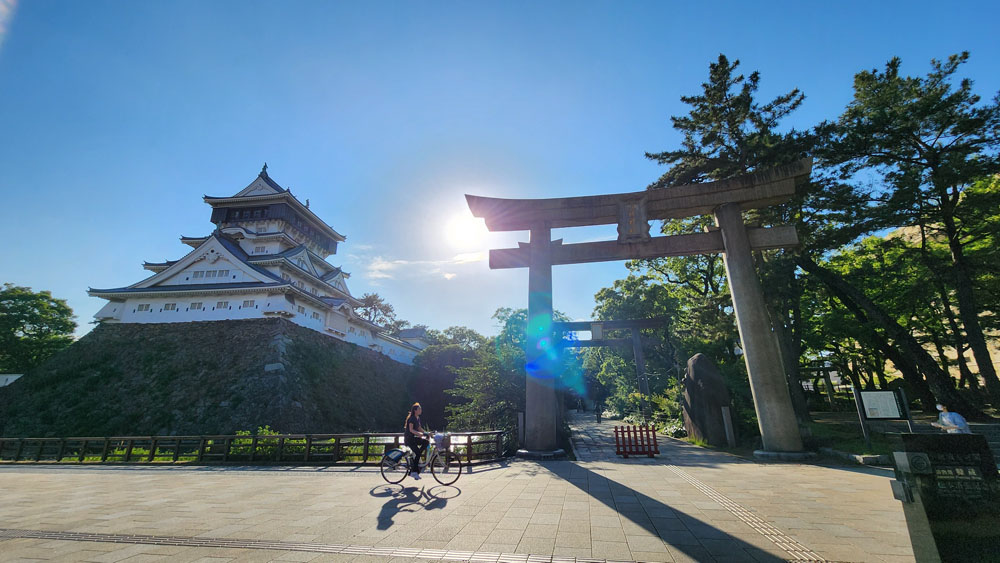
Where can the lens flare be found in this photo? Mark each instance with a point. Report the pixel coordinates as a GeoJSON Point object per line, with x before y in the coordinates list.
{"type": "Point", "coordinates": [7, 9]}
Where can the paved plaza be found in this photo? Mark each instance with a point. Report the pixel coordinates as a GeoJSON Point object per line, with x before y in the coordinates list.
{"type": "Point", "coordinates": [689, 504]}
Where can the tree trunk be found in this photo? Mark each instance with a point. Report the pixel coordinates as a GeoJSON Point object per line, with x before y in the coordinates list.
{"type": "Point", "coordinates": [939, 382]}
{"type": "Point", "coordinates": [968, 311]}
{"type": "Point", "coordinates": [966, 378]}
{"type": "Point", "coordinates": [939, 347]}
{"type": "Point", "coordinates": [880, 374]}
{"type": "Point", "coordinates": [911, 375]}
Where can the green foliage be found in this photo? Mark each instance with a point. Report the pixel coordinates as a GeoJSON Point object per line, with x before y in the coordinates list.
{"type": "Point", "coordinates": [915, 145]}
{"type": "Point", "coordinates": [460, 336]}
{"type": "Point", "coordinates": [439, 365]}
{"type": "Point", "coordinates": [490, 392]}
{"type": "Point", "coordinates": [377, 310]}
{"type": "Point", "coordinates": [33, 326]}
{"type": "Point", "coordinates": [921, 153]}
{"type": "Point", "coordinates": [728, 132]}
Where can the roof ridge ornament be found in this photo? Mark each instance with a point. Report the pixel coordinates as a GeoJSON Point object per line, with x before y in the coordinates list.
{"type": "Point", "coordinates": [263, 171]}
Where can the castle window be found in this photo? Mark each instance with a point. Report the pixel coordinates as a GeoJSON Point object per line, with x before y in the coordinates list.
{"type": "Point", "coordinates": [143, 307]}
{"type": "Point", "coordinates": [315, 315]}
{"type": "Point", "coordinates": [196, 306]}
{"type": "Point", "coordinates": [260, 249]}
{"type": "Point", "coordinates": [302, 310]}
{"type": "Point", "coordinates": [247, 303]}
{"type": "Point", "coordinates": [286, 277]}
{"type": "Point", "coordinates": [170, 307]}
{"type": "Point", "coordinates": [256, 213]}
{"type": "Point", "coordinates": [197, 275]}
{"type": "Point", "coordinates": [223, 273]}
{"type": "Point", "coordinates": [246, 214]}
{"type": "Point", "coordinates": [211, 273]}
{"type": "Point", "coordinates": [222, 305]}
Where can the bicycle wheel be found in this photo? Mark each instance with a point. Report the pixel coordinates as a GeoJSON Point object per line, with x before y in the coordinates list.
{"type": "Point", "coordinates": [446, 467]}
{"type": "Point", "coordinates": [394, 471]}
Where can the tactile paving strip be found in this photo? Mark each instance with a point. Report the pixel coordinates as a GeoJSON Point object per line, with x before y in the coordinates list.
{"type": "Point", "coordinates": [798, 551]}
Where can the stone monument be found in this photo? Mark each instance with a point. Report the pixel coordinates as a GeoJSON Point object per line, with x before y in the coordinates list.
{"type": "Point", "coordinates": [705, 397]}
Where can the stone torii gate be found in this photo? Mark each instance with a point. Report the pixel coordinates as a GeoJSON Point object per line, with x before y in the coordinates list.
{"type": "Point", "coordinates": [632, 212]}
{"type": "Point", "coordinates": [597, 328]}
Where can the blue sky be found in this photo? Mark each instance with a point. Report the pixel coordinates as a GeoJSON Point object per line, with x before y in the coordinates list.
{"type": "Point", "coordinates": [117, 117]}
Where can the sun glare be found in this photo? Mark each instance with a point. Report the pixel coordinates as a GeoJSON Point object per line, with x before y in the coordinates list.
{"type": "Point", "coordinates": [464, 231]}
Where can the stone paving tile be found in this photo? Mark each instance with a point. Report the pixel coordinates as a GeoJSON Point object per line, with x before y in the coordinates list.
{"type": "Point", "coordinates": [607, 534]}
{"type": "Point", "coordinates": [540, 531]}
{"type": "Point", "coordinates": [645, 543]}
{"type": "Point", "coordinates": [573, 539]}
{"type": "Point", "coordinates": [535, 545]}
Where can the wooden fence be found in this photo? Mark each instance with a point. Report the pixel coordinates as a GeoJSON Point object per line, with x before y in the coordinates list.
{"type": "Point", "coordinates": [316, 449]}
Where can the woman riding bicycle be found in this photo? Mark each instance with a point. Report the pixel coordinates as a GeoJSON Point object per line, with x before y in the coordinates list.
{"type": "Point", "coordinates": [413, 437]}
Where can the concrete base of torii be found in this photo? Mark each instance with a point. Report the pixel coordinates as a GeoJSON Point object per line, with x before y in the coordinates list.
{"type": "Point", "coordinates": [542, 455]}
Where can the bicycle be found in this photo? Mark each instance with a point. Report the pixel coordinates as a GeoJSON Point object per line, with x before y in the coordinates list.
{"type": "Point", "coordinates": [446, 467]}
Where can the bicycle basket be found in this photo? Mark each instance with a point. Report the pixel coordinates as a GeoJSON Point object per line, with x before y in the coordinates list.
{"type": "Point", "coordinates": [394, 455]}
{"type": "Point", "coordinates": [442, 441]}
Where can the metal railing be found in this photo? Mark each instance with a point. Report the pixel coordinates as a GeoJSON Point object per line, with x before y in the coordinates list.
{"type": "Point", "coordinates": [315, 449]}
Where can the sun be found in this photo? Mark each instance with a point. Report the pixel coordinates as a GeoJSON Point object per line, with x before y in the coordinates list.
{"type": "Point", "coordinates": [463, 231]}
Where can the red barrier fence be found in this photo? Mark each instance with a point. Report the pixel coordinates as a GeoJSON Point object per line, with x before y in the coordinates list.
{"type": "Point", "coordinates": [636, 440]}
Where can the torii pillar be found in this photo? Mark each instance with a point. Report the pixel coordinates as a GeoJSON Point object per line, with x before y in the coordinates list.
{"type": "Point", "coordinates": [779, 428]}
{"type": "Point", "coordinates": [540, 409]}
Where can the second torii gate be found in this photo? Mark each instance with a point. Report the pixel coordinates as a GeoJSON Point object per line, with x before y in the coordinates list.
{"type": "Point", "coordinates": [597, 328]}
{"type": "Point", "coordinates": [632, 211]}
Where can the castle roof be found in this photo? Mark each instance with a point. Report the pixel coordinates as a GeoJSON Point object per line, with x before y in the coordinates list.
{"type": "Point", "coordinates": [186, 288]}
{"type": "Point", "coordinates": [418, 332]}
{"type": "Point", "coordinates": [265, 190]}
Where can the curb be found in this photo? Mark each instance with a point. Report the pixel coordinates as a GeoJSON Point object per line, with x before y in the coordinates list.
{"type": "Point", "coordinates": [858, 458]}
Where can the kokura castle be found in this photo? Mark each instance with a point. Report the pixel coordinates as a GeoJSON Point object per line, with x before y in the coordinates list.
{"type": "Point", "coordinates": [266, 258]}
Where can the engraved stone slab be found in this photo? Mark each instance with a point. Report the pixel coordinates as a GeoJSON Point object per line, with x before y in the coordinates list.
{"type": "Point", "coordinates": [705, 394]}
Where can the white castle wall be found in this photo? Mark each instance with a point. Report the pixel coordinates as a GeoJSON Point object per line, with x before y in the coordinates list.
{"type": "Point", "coordinates": [157, 310]}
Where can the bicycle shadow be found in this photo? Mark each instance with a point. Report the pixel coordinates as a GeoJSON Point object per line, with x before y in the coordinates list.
{"type": "Point", "coordinates": [411, 499]}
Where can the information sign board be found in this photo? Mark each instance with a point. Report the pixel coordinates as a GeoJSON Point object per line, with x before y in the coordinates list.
{"type": "Point", "coordinates": [881, 405]}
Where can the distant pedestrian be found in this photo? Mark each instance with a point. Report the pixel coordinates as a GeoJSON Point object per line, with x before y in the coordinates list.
{"type": "Point", "coordinates": [599, 409]}
{"type": "Point", "coordinates": [951, 422]}
{"type": "Point", "coordinates": [579, 405]}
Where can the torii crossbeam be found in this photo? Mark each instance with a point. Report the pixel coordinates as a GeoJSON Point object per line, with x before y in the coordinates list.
{"type": "Point", "coordinates": [632, 212]}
